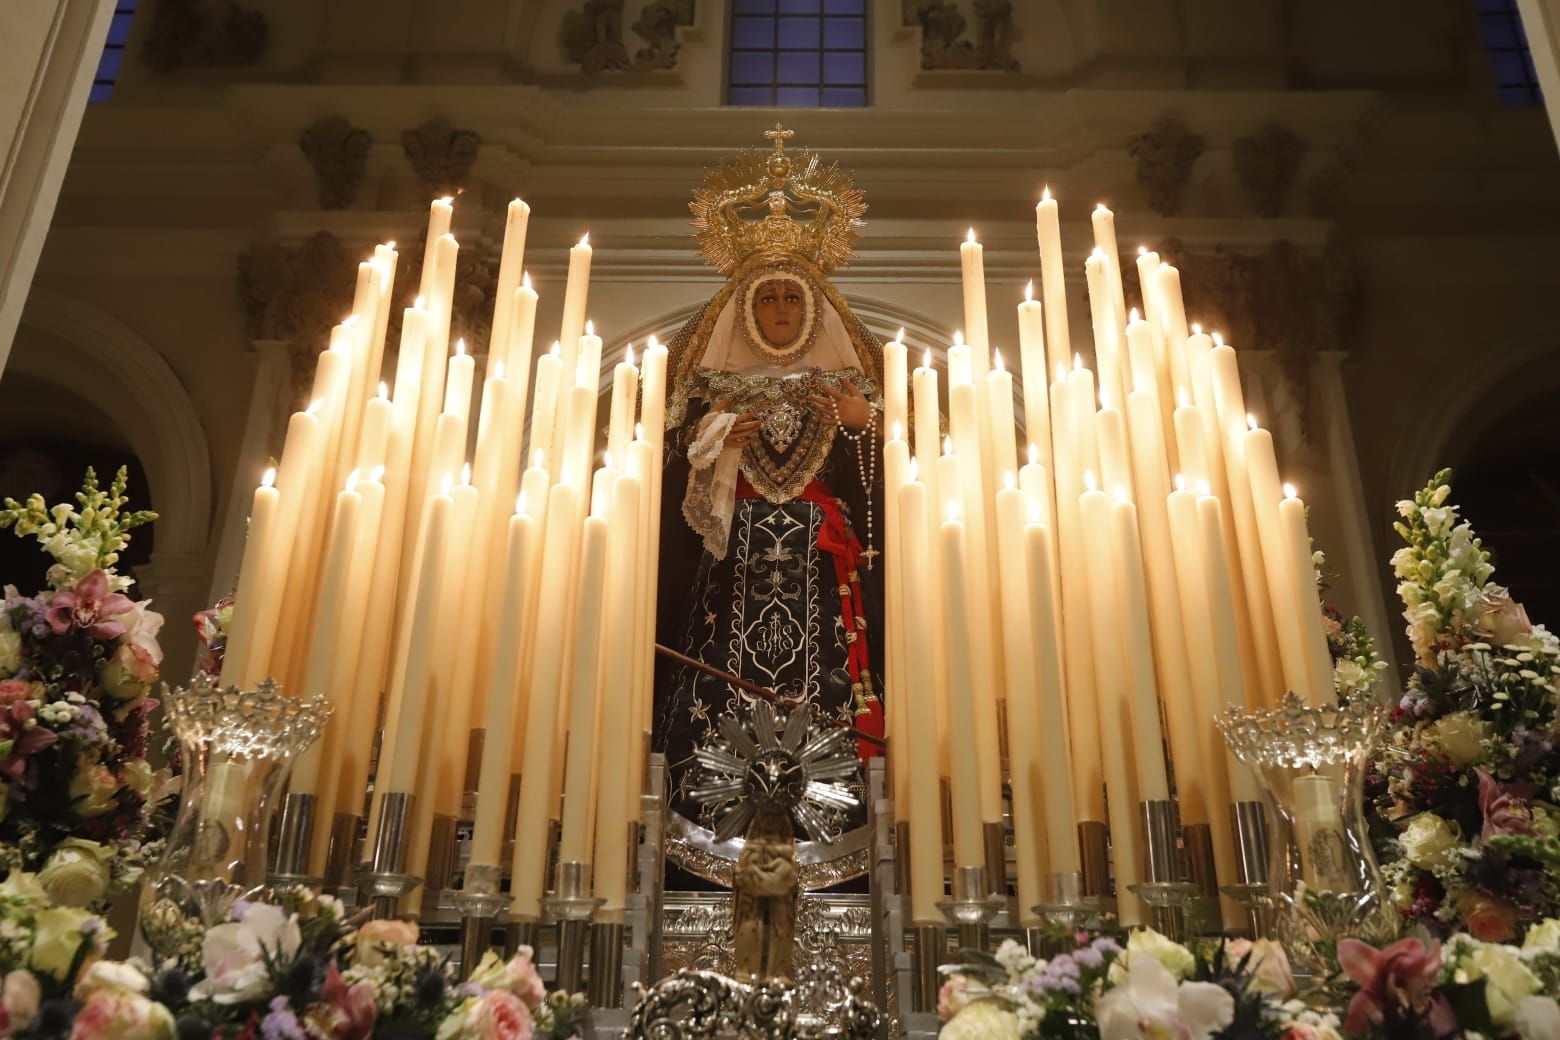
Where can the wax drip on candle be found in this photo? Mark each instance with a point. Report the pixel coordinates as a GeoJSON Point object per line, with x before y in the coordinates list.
{"type": "Point", "coordinates": [1180, 482]}
{"type": "Point", "coordinates": [1203, 488]}
{"type": "Point", "coordinates": [1034, 454]}
{"type": "Point", "coordinates": [268, 478]}
{"type": "Point", "coordinates": [1181, 399]}
{"type": "Point", "coordinates": [352, 479]}
{"type": "Point", "coordinates": [1251, 421]}
{"type": "Point", "coordinates": [997, 359]}
{"type": "Point", "coordinates": [384, 392]}
{"type": "Point", "coordinates": [1290, 492]}
{"type": "Point", "coordinates": [1029, 291]}
{"type": "Point", "coordinates": [376, 474]}
{"type": "Point", "coordinates": [465, 474]}
{"type": "Point", "coordinates": [1089, 483]}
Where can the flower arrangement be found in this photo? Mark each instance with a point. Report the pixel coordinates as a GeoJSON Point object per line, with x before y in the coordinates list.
{"type": "Point", "coordinates": [1237, 989]}
{"type": "Point", "coordinates": [1465, 791]}
{"type": "Point", "coordinates": [77, 661]}
{"type": "Point", "coordinates": [295, 969]}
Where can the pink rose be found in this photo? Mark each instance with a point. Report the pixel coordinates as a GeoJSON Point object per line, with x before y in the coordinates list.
{"type": "Point", "coordinates": [518, 975]}
{"type": "Point", "coordinates": [952, 998]}
{"type": "Point", "coordinates": [14, 690]}
{"type": "Point", "coordinates": [19, 997]}
{"type": "Point", "coordinates": [376, 937]}
{"type": "Point", "coordinates": [500, 1015]}
{"type": "Point", "coordinates": [1488, 919]}
{"type": "Point", "coordinates": [118, 1015]}
{"type": "Point", "coordinates": [1503, 618]}
{"type": "Point", "coordinates": [129, 674]}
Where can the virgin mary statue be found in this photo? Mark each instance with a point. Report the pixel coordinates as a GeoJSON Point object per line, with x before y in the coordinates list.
{"type": "Point", "coordinates": [771, 476]}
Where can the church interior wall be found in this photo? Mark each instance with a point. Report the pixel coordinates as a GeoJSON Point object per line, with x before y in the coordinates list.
{"type": "Point", "coordinates": [1446, 201]}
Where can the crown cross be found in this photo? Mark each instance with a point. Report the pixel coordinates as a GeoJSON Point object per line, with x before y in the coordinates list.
{"type": "Point", "coordinates": [779, 135]}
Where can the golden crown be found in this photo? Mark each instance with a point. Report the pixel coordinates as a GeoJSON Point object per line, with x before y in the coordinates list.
{"type": "Point", "coordinates": [777, 204]}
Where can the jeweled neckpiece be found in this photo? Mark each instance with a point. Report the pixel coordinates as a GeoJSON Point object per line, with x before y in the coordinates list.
{"type": "Point", "coordinates": [777, 204]}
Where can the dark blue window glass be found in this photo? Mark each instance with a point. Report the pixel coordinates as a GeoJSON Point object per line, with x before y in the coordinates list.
{"type": "Point", "coordinates": [1500, 26]}
{"type": "Point", "coordinates": [113, 52]}
{"type": "Point", "coordinates": [798, 53]}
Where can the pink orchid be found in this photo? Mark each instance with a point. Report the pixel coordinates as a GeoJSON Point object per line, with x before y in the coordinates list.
{"type": "Point", "coordinates": [24, 739]}
{"type": "Point", "coordinates": [1505, 809]}
{"type": "Point", "coordinates": [90, 606]}
{"type": "Point", "coordinates": [1395, 983]}
{"type": "Point", "coordinates": [348, 1011]}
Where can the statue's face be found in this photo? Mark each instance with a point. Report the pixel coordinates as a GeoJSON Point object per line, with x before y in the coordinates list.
{"type": "Point", "coordinates": [777, 308]}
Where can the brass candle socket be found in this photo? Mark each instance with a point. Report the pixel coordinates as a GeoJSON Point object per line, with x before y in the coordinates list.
{"type": "Point", "coordinates": [571, 905]}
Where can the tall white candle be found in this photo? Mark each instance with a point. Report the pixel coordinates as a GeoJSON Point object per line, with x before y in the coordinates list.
{"type": "Point", "coordinates": [1306, 608]}
{"type": "Point", "coordinates": [1053, 282]}
{"type": "Point", "coordinates": [1104, 222]}
{"type": "Point", "coordinates": [1034, 369]}
{"type": "Point", "coordinates": [511, 260]}
{"type": "Point", "coordinates": [895, 384]}
{"type": "Point", "coordinates": [964, 743]}
{"type": "Point", "coordinates": [920, 753]}
{"type": "Point", "coordinates": [575, 294]}
{"type": "Point", "coordinates": [972, 265]}
{"type": "Point", "coordinates": [580, 762]}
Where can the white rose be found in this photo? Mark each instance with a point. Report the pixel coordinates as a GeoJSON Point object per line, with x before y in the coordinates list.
{"type": "Point", "coordinates": [1543, 937]}
{"type": "Point", "coordinates": [1166, 951]}
{"type": "Point", "coordinates": [1429, 841]}
{"type": "Point", "coordinates": [1538, 1018]}
{"type": "Point", "coordinates": [77, 873]}
{"type": "Point", "coordinates": [1463, 738]}
{"type": "Point", "coordinates": [234, 954]}
{"type": "Point", "coordinates": [111, 976]}
{"type": "Point", "coordinates": [10, 652]}
{"type": "Point", "coordinates": [1506, 978]}
{"type": "Point", "coordinates": [982, 1020]}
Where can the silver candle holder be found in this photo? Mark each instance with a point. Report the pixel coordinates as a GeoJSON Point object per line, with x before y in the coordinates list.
{"type": "Point", "coordinates": [1251, 889]}
{"type": "Point", "coordinates": [482, 907]}
{"type": "Point", "coordinates": [385, 883]}
{"type": "Point", "coordinates": [295, 832]}
{"type": "Point", "coordinates": [572, 906]}
{"type": "Point", "coordinates": [1065, 910]}
{"type": "Point", "coordinates": [1163, 893]}
{"type": "Point", "coordinates": [931, 940]}
{"type": "Point", "coordinates": [971, 909]}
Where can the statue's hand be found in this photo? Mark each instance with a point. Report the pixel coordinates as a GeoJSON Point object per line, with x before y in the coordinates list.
{"type": "Point", "coordinates": [853, 409]}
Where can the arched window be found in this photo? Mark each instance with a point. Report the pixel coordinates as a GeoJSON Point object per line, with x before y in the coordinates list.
{"type": "Point", "coordinates": [1500, 25]}
{"type": "Point", "coordinates": [113, 51]}
{"type": "Point", "coordinates": [798, 53]}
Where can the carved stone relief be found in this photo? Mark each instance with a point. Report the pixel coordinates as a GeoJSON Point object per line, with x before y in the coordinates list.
{"type": "Point", "coordinates": [471, 311]}
{"type": "Point", "coordinates": [296, 293]}
{"type": "Point", "coordinates": [185, 33]}
{"type": "Point", "coordinates": [942, 28]}
{"type": "Point", "coordinates": [1165, 154]}
{"type": "Point", "coordinates": [1266, 163]}
{"type": "Point", "coordinates": [592, 35]}
{"type": "Point", "coordinates": [441, 155]}
{"type": "Point", "coordinates": [337, 152]}
{"type": "Point", "coordinates": [1282, 299]}
{"type": "Point", "coordinates": [657, 26]}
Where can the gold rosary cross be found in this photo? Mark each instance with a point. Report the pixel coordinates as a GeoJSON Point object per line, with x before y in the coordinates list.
{"type": "Point", "coordinates": [779, 135]}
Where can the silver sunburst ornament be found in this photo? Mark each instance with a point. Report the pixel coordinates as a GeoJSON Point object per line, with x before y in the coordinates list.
{"type": "Point", "coordinates": [794, 768]}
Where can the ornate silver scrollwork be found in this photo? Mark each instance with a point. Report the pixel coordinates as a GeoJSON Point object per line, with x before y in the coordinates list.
{"type": "Point", "coordinates": [705, 1005]}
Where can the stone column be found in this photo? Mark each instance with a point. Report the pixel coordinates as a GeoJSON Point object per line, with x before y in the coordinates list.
{"type": "Point", "coordinates": [176, 584]}
{"type": "Point", "coordinates": [52, 48]}
{"type": "Point", "coordinates": [267, 392]}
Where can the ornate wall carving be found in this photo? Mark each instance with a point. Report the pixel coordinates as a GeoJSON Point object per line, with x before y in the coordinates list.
{"type": "Point", "coordinates": [471, 311]}
{"type": "Point", "coordinates": [1165, 154]}
{"type": "Point", "coordinates": [1282, 299]}
{"type": "Point", "coordinates": [592, 36]}
{"type": "Point", "coordinates": [296, 293]}
{"type": "Point", "coordinates": [657, 26]}
{"type": "Point", "coordinates": [942, 28]}
{"type": "Point", "coordinates": [196, 32]}
{"type": "Point", "coordinates": [441, 155]}
{"type": "Point", "coordinates": [1266, 163]}
{"type": "Point", "coordinates": [337, 152]}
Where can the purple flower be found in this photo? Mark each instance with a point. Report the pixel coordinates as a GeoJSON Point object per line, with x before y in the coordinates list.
{"type": "Point", "coordinates": [281, 1023]}
{"type": "Point", "coordinates": [90, 606]}
{"type": "Point", "coordinates": [1530, 749]}
{"type": "Point", "coordinates": [1089, 957]}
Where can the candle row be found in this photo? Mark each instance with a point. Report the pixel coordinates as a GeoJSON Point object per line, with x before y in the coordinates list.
{"type": "Point", "coordinates": [1153, 570]}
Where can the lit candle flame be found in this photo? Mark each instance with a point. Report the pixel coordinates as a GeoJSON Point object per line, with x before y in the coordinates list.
{"type": "Point", "coordinates": [652, 343]}
{"type": "Point", "coordinates": [352, 478]}
{"type": "Point", "coordinates": [1034, 454]}
{"type": "Point", "coordinates": [628, 353]}
{"type": "Point", "coordinates": [1045, 194]}
{"type": "Point", "coordinates": [1121, 493]}
{"type": "Point", "coordinates": [268, 478]}
{"type": "Point", "coordinates": [417, 304]}
{"type": "Point", "coordinates": [1029, 291]}
{"type": "Point", "coordinates": [390, 244]}
{"type": "Point", "coordinates": [315, 405]}
{"type": "Point", "coordinates": [639, 431]}
{"type": "Point", "coordinates": [1009, 482]}
{"type": "Point", "coordinates": [498, 370]}
{"type": "Point", "coordinates": [1181, 399]}
{"type": "Point", "coordinates": [947, 445]}
{"type": "Point", "coordinates": [538, 459]}
{"type": "Point", "coordinates": [556, 347]}
{"type": "Point", "coordinates": [1142, 250]}
{"type": "Point", "coordinates": [520, 502]}
{"type": "Point", "coordinates": [590, 328]}
{"type": "Point", "coordinates": [376, 474]}
{"type": "Point", "coordinates": [996, 356]}
{"type": "Point", "coordinates": [446, 200]}
{"type": "Point", "coordinates": [1096, 253]}
{"type": "Point", "coordinates": [465, 474]}
{"type": "Point", "coordinates": [1290, 492]}
{"type": "Point", "coordinates": [444, 485]}
{"type": "Point", "coordinates": [915, 470]}
{"type": "Point", "coordinates": [525, 280]}
{"type": "Point", "coordinates": [384, 391]}
{"type": "Point", "coordinates": [971, 237]}
{"type": "Point", "coordinates": [1061, 372]}
{"type": "Point", "coordinates": [349, 320]}
{"type": "Point", "coordinates": [899, 432]}
{"type": "Point", "coordinates": [1203, 488]}
{"type": "Point", "coordinates": [1251, 421]}
{"type": "Point", "coordinates": [958, 338]}
{"type": "Point", "coordinates": [1077, 362]}
{"type": "Point", "coordinates": [1100, 207]}
{"type": "Point", "coordinates": [1132, 315]}
{"type": "Point", "coordinates": [1104, 400]}
{"type": "Point", "coordinates": [585, 239]}
{"type": "Point", "coordinates": [1218, 339]}
{"type": "Point", "coordinates": [1196, 328]}
{"type": "Point", "coordinates": [953, 512]}
{"type": "Point", "coordinates": [606, 460]}
{"type": "Point", "coordinates": [1180, 482]}
{"type": "Point", "coordinates": [1089, 483]}
{"type": "Point", "coordinates": [899, 337]}
{"type": "Point", "coordinates": [460, 347]}
{"type": "Point", "coordinates": [926, 359]}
